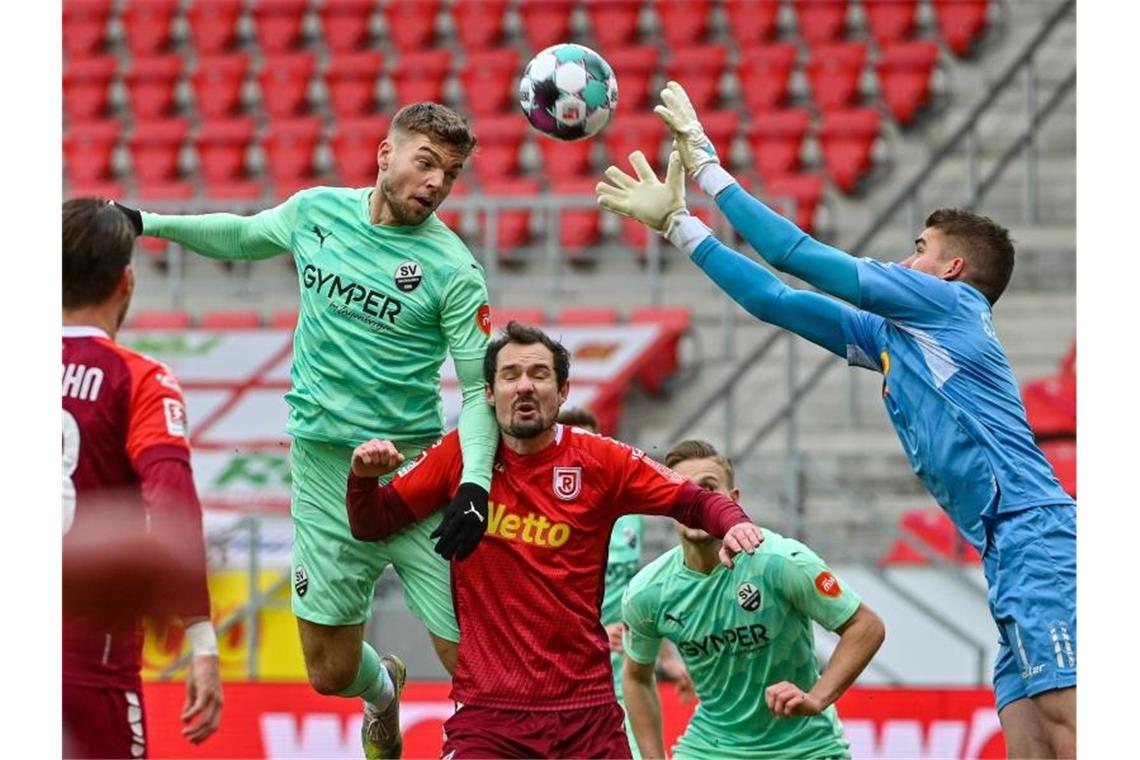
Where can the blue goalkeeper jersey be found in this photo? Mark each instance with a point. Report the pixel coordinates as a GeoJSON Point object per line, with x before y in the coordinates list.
{"type": "Point", "coordinates": [950, 394]}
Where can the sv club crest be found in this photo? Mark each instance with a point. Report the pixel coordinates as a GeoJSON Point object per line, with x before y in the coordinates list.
{"type": "Point", "coordinates": [567, 482]}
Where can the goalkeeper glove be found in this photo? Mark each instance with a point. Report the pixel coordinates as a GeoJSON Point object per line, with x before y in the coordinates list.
{"type": "Point", "coordinates": [645, 199]}
{"type": "Point", "coordinates": [463, 524]}
{"type": "Point", "coordinates": [133, 214]}
{"type": "Point", "coordinates": [689, 137]}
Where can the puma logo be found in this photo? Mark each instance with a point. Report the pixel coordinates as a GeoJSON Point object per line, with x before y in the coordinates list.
{"type": "Point", "coordinates": [673, 619]}
{"type": "Point", "coordinates": [472, 511]}
{"type": "Point", "coordinates": [321, 234]}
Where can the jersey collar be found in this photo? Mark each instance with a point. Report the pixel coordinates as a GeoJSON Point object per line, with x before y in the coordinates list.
{"type": "Point", "coordinates": [84, 331]}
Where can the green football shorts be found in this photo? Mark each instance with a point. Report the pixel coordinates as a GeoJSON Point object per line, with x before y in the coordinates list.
{"type": "Point", "coordinates": [333, 573]}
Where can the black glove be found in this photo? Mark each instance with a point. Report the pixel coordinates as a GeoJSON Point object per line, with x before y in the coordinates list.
{"type": "Point", "coordinates": [463, 524]}
{"type": "Point", "coordinates": [133, 214]}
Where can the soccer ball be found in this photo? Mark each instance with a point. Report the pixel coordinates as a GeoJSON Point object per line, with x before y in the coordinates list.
{"type": "Point", "coordinates": [568, 92]}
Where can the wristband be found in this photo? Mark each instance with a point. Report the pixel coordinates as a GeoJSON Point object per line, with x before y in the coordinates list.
{"type": "Point", "coordinates": [203, 639]}
{"type": "Point", "coordinates": [713, 178]}
{"type": "Point", "coordinates": [686, 232]}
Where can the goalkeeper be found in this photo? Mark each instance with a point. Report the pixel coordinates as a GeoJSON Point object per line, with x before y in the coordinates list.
{"type": "Point", "coordinates": [926, 325]}
{"type": "Point", "coordinates": [386, 290]}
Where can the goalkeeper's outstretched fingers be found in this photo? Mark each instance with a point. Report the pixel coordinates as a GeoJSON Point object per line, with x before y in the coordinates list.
{"type": "Point", "coordinates": [646, 199]}
{"type": "Point", "coordinates": [689, 138]}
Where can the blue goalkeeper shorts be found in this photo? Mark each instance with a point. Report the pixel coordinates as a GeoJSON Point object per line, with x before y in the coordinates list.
{"type": "Point", "coordinates": [1031, 567]}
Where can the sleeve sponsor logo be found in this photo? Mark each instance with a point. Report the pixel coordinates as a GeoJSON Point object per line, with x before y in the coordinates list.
{"type": "Point", "coordinates": [409, 466]}
{"type": "Point", "coordinates": [827, 584]}
{"type": "Point", "coordinates": [483, 319]}
{"type": "Point", "coordinates": [175, 414]}
{"type": "Point", "coordinates": [167, 380]}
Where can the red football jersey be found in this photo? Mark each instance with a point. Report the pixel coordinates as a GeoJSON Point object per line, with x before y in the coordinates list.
{"type": "Point", "coordinates": [123, 414]}
{"type": "Point", "coordinates": [528, 599]}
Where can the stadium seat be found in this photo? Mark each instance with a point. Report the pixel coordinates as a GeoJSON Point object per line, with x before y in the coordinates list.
{"type": "Point", "coordinates": [213, 25]}
{"type": "Point", "coordinates": [88, 150]}
{"type": "Point", "coordinates": [613, 22]}
{"type": "Point", "coordinates": [411, 26]}
{"type": "Point", "coordinates": [289, 146]}
{"type": "Point", "coordinates": [217, 82]}
{"type": "Point", "coordinates": [351, 80]}
{"type": "Point", "coordinates": [283, 319]}
{"type": "Point", "coordinates": [222, 147]}
{"type": "Point", "coordinates": [1051, 406]}
{"type": "Point", "coordinates": [513, 224]}
{"type": "Point", "coordinates": [846, 138]}
{"type": "Point", "coordinates": [776, 140]}
{"type": "Point", "coordinates": [833, 73]}
{"type": "Point", "coordinates": [230, 319]}
{"type": "Point", "coordinates": [284, 83]}
{"type": "Point", "coordinates": [478, 23]}
{"type": "Point", "coordinates": [447, 212]}
{"type": "Point", "coordinates": [160, 319]}
{"type": "Point", "coordinates": [752, 22]}
{"type": "Point", "coordinates": [565, 160]}
{"type": "Point", "coordinates": [682, 23]}
{"type": "Point", "coordinates": [150, 85]}
{"type": "Point", "coordinates": [764, 72]}
{"type": "Point", "coordinates": [147, 25]}
{"type": "Point", "coordinates": [636, 235]}
{"type": "Point", "coordinates": [699, 70]}
{"type": "Point", "coordinates": [345, 24]}
{"type": "Point", "coordinates": [490, 81]}
{"type": "Point", "coordinates": [419, 76]}
{"type": "Point", "coordinates": [500, 138]}
{"type": "Point", "coordinates": [820, 21]}
{"type": "Point", "coordinates": [354, 143]}
{"type": "Point", "coordinates": [675, 321]}
{"type": "Point", "coordinates": [578, 228]}
{"type": "Point", "coordinates": [804, 190]}
{"type": "Point", "coordinates": [278, 24]}
{"type": "Point", "coordinates": [1069, 361]}
{"type": "Point", "coordinates": [933, 531]}
{"type": "Point", "coordinates": [587, 315]}
{"type": "Point", "coordinates": [634, 131]}
{"type": "Point", "coordinates": [961, 22]}
{"type": "Point", "coordinates": [545, 22]}
{"type": "Point", "coordinates": [86, 84]}
{"type": "Point", "coordinates": [1062, 455]}
{"type": "Point", "coordinates": [633, 67]}
{"type": "Point", "coordinates": [85, 26]}
{"type": "Point", "coordinates": [720, 126]}
{"type": "Point", "coordinates": [890, 21]}
{"type": "Point", "coordinates": [501, 317]}
{"type": "Point", "coordinates": [904, 77]}
{"type": "Point", "coordinates": [155, 147]}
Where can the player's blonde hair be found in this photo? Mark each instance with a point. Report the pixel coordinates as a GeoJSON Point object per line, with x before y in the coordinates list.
{"type": "Point", "coordinates": [439, 123]}
{"type": "Point", "coordinates": [695, 448]}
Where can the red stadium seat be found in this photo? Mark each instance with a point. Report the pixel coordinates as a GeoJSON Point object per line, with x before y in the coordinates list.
{"type": "Point", "coordinates": [289, 146]}
{"type": "Point", "coordinates": [278, 24]}
{"type": "Point", "coordinates": [752, 22]}
{"type": "Point", "coordinates": [490, 81]}
{"type": "Point", "coordinates": [613, 22]}
{"type": "Point", "coordinates": [833, 72]}
{"type": "Point", "coordinates": [634, 131]}
{"type": "Point", "coordinates": [158, 319]}
{"type": "Point", "coordinates": [283, 319]}
{"type": "Point", "coordinates": [147, 25]}
{"type": "Point", "coordinates": [231, 319]}
{"type": "Point", "coordinates": [933, 531]}
{"type": "Point", "coordinates": [682, 23]}
{"type": "Point", "coordinates": [85, 87]}
{"type": "Point", "coordinates": [84, 26]}
{"type": "Point", "coordinates": [447, 212]}
{"type": "Point", "coordinates": [764, 72]}
{"type": "Point", "coordinates": [411, 26]}
{"type": "Point", "coordinates": [890, 21]}
{"type": "Point", "coordinates": [904, 77]}
{"type": "Point", "coordinates": [284, 83]}
{"type": "Point", "coordinates": [776, 140]}
{"type": "Point", "coordinates": [478, 23]}
{"type": "Point", "coordinates": [213, 24]}
{"type": "Point", "coordinates": [699, 70]}
{"type": "Point", "coordinates": [514, 224]}
{"type": "Point", "coordinates": [847, 138]}
{"type": "Point", "coordinates": [804, 190]}
{"type": "Point", "coordinates": [546, 22]}
{"type": "Point", "coordinates": [636, 235]}
{"type": "Point", "coordinates": [720, 126]}
{"type": "Point", "coordinates": [578, 228]}
{"type": "Point", "coordinates": [821, 21]}
{"type": "Point", "coordinates": [150, 85]}
{"type": "Point", "coordinates": [961, 22]}
{"type": "Point", "coordinates": [351, 80]}
{"type": "Point", "coordinates": [217, 83]}
{"type": "Point", "coordinates": [633, 67]}
{"type": "Point", "coordinates": [587, 315]}
{"type": "Point", "coordinates": [88, 150]}
{"type": "Point", "coordinates": [345, 24]}
{"type": "Point", "coordinates": [354, 143]}
{"type": "Point", "coordinates": [1062, 455]}
{"type": "Point", "coordinates": [419, 76]}
{"type": "Point", "coordinates": [155, 146]}
{"type": "Point", "coordinates": [222, 147]}
{"type": "Point", "coordinates": [500, 138]}
{"type": "Point", "coordinates": [675, 321]}
{"type": "Point", "coordinates": [501, 317]}
{"type": "Point", "coordinates": [1051, 406]}
{"type": "Point", "coordinates": [565, 160]}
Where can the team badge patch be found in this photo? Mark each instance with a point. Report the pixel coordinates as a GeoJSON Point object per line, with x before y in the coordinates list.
{"type": "Point", "coordinates": [175, 414]}
{"type": "Point", "coordinates": [483, 319]}
{"type": "Point", "coordinates": [408, 276]}
{"type": "Point", "coordinates": [748, 597]}
{"type": "Point", "coordinates": [567, 482]}
{"type": "Point", "coordinates": [300, 580]}
{"type": "Point", "coordinates": [827, 584]}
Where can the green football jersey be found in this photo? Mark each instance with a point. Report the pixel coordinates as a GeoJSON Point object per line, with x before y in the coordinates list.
{"type": "Point", "coordinates": [739, 631]}
{"type": "Point", "coordinates": [624, 560]}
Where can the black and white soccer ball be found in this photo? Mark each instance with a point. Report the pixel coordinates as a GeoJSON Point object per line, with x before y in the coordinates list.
{"type": "Point", "coordinates": [568, 92]}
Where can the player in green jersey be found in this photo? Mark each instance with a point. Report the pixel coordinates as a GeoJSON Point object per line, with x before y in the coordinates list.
{"type": "Point", "coordinates": [386, 291]}
{"type": "Point", "coordinates": [745, 635]}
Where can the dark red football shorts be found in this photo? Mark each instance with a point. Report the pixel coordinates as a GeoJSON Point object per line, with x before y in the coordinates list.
{"type": "Point", "coordinates": [488, 732]}
{"type": "Point", "coordinates": [102, 723]}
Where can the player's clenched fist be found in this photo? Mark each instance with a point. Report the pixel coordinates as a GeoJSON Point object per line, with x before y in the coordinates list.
{"type": "Point", "coordinates": [375, 459]}
{"type": "Point", "coordinates": [785, 699]}
{"type": "Point", "coordinates": [742, 537]}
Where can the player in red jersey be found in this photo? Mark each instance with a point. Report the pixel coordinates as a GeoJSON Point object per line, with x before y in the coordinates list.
{"type": "Point", "coordinates": [533, 676]}
{"type": "Point", "coordinates": [132, 524]}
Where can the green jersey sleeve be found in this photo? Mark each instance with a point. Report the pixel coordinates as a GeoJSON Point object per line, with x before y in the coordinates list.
{"type": "Point", "coordinates": [640, 637]}
{"type": "Point", "coordinates": [229, 236]}
{"type": "Point", "coordinates": [811, 587]}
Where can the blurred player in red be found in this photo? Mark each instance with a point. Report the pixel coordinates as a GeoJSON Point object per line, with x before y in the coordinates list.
{"type": "Point", "coordinates": [533, 677]}
{"type": "Point", "coordinates": [132, 524]}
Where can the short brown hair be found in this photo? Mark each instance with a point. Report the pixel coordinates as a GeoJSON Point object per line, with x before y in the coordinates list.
{"type": "Point", "coordinates": [984, 243]}
{"type": "Point", "coordinates": [578, 416]}
{"type": "Point", "coordinates": [439, 123]}
{"type": "Point", "coordinates": [695, 448]}
{"type": "Point", "coordinates": [517, 332]}
{"type": "Point", "coordinates": [98, 240]}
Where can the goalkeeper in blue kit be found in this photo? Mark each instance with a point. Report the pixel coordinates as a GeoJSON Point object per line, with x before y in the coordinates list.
{"type": "Point", "coordinates": [925, 324]}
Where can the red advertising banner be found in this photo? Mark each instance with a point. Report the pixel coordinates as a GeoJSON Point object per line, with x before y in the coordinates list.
{"type": "Point", "coordinates": [290, 720]}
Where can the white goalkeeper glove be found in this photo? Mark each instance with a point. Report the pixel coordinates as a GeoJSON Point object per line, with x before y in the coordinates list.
{"type": "Point", "coordinates": [689, 138]}
{"type": "Point", "coordinates": [646, 199]}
